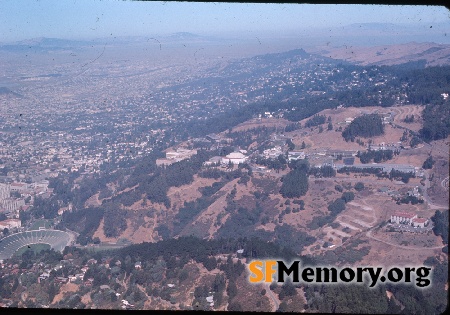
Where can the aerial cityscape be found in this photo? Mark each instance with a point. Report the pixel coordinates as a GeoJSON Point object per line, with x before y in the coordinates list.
{"type": "Point", "coordinates": [151, 166]}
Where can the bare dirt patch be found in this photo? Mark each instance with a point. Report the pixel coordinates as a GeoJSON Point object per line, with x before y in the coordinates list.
{"type": "Point", "coordinates": [407, 239]}
{"type": "Point", "coordinates": [440, 148]}
{"type": "Point", "coordinates": [388, 255]}
{"type": "Point", "coordinates": [133, 235]}
{"type": "Point", "coordinates": [86, 299]}
{"type": "Point", "coordinates": [93, 201]}
{"type": "Point", "coordinates": [67, 287]}
{"type": "Point", "coordinates": [410, 110]}
{"type": "Point", "coordinates": [263, 122]}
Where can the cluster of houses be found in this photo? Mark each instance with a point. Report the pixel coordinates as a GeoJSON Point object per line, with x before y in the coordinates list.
{"type": "Point", "coordinates": [397, 194]}
{"type": "Point", "coordinates": [10, 205]}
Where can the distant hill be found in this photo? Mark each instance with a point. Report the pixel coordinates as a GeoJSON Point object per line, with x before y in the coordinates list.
{"type": "Point", "coordinates": [43, 44]}
{"type": "Point", "coordinates": [6, 91]}
{"type": "Point", "coordinates": [431, 54]}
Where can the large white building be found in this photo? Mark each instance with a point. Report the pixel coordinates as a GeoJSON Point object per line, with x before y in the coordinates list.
{"type": "Point", "coordinates": [296, 155]}
{"type": "Point", "coordinates": [10, 224]}
{"type": "Point", "coordinates": [5, 191]}
{"type": "Point", "coordinates": [403, 217]}
{"type": "Point", "coordinates": [234, 158]}
{"type": "Point", "coordinates": [420, 222]}
{"type": "Point", "coordinates": [12, 205]}
{"type": "Point", "coordinates": [18, 187]}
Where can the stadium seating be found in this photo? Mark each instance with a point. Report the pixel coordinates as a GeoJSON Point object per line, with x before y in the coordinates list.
{"type": "Point", "coordinates": [57, 240]}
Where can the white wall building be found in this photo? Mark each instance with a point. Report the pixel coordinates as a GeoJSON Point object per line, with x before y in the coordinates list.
{"type": "Point", "coordinates": [296, 155]}
{"type": "Point", "coordinates": [234, 158]}
{"type": "Point", "coordinates": [12, 205]}
{"type": "Point", "coordinates": [5, 191]}
{"type": "Point", "coordinates": [19, 187]}
{"type": "Point", "coordinates": [420, 222]}
{"type": "Point", "coordinates": [10, 224]}
{"type": "Point", "coordinates": [403, 217]}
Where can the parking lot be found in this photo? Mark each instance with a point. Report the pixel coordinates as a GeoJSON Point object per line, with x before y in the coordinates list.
{"type": "Point", "coordinates": [409, 228]}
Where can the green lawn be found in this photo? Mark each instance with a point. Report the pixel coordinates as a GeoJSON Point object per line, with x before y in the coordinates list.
{"type": "Point", "coordinates": [37, 248]}
{"type": "Point", "coordinates": [40, 223]}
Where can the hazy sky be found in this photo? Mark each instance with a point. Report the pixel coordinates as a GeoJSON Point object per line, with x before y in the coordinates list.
{"type": "Point", "coordinates": [20, 19]}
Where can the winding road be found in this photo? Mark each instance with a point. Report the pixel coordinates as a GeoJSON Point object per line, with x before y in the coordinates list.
{"type": "Point", "coordinates": [269, 292]}
{"type": "Point", "coordinates": [273, 297]}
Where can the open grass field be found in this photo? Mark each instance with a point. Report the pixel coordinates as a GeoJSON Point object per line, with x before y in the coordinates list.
{"type": "Point", "coordinates": [40, 223]}
{"type": "Point", "coordinates": [36, 248]}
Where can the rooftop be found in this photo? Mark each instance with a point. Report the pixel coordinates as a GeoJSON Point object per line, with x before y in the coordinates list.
{"type": "Point", "coordinates": [404, 214]}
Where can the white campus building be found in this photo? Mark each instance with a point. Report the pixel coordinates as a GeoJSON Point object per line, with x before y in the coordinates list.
{"type": "Point", "coordinates": [234, 158]}
{"type": "Point", "coordinates": [5, 191]}
{"type": "Point", "coordinates": [10, 224]}
{"type": "Point", "coordinates": [403, 217]}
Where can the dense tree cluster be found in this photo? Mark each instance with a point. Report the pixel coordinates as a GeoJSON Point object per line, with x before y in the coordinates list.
{"type": "Point", "coordinates": [352, 169]}
{"type": "Point", "coordinates": [428, 163]}
{"type": "Point", "coordinates": [85, 220]}
{"type": "Point", "coordinates": [290, 144]}
{"type": "Point", "coordinates": [425, 86]}
{"type": "Point", "coordinates": [409, 199]}
{"type": "Point", "coordinates": [365, 126]}
{"type": "Point", "coordinates": [376, 156]}
{"type": "Point", "coordinates": [399, 175]}
{"type": "Point", "coordinates": [294, 184]}
{"type": "Point", "coordinates": [277, 164]}
{"type": "Point", "coordinates": [199, 249]}
{"type": "Point", "coordinates": [292, 127]}
{"type": "Point", "coordinates": [348, 196]}
{"type": "Point", "coordinates": [346, 299]}
{"type": "Point", "coordinates": [324, 171]}
{"type": "Point", "coordinates": [436, 121]}
{"type": "Point", "coordinates": [440, 220]}
{"type": "Point", "coordinates": [287, 236]}
{"type": "Point", "coordinates": [316, 120]}
{"type": "Point", "coordinates": [114, 220]}
{"type": "Point", "coordinates": [359, 186]}
{"type": "Point", "coordinates": [409, 119]}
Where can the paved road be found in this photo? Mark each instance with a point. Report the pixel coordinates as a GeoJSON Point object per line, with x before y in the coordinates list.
{"type": "Point", "coordinates": [273, 297]}
{"type": "Point", "coordinates": [269, 292]}
{"type": "Point", "coordinates": [427, 199]}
